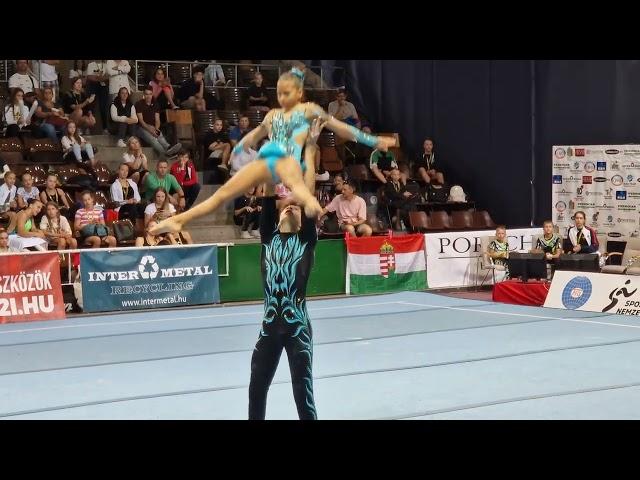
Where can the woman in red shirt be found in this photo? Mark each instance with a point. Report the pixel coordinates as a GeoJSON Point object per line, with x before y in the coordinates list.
{"type": "Point", "coordinates": [185, 172]}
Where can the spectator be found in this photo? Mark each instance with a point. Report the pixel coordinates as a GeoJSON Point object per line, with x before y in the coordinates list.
{"type": "Point", "coordinates": [8, 201]}
{"type": "Point", "coordinates": [185, 172]}
{"type": "Point", "coordinates": [97, 84]}
{"type": "Point", "coordinates": [343, 110]}
{"type": "Point", "coordinates": [163, 179]}
{"type": "Point", "coordinates": [583, 239]}
{"type": "Point", "coordinates": [45, 72]}
{"type": "Point", "coordinates": [149, 125]}
{"type": "Point", "coordinates": [240, 131]}
{"type": "Point", "coordinates": [498, 249]}
{"type": "Point", "coordinates": [246, 214]}
{"type": "Point", "coordinates": [52, 193]}
{"type": "Point", "coordinates": [124, 192]}
{"type": "Point", "coordinates": [57, 229]}
{"type": "Point", "coordinates": [27, 191]}
{"type": "Point", "coordinates": [218, 143]}
{"type": "Point", "coordinates": [191, 89]}
{"type": "Point", "coordinates": [549, 243]}
{"type": "Point", "coordinates": [258, 98]}
{"type": "Point", "coordinates": [213, 75]}
{"type": "Point", "coordinates": [4, 243]}
{"type": "Point", "coordinates": [149, 240]}
{"type": "Point", "coordinates": [123, 114]}
{"type": "Point", "coordinates": [381, 164]}
{"type": "Point", "coordinates": [16, 114]}
{"type": "Point", "coordinates": [160, 209]}
{"type": "Point", "coordinates": [89, 224]}
{"type": "Point", "coordinates": [399, 198]}
{"type": "Point", "coordinates": [426, 165]}
{"type": "Point", "coordinates": [27, 235]}
{"type": "Point", "coordinates": [351, 211]}
{"type": "Point", "coordinates": [75, 147]}
{"type": "Point", "coordinates": [338, 182]}
{"type": "Point", "coordinates": [239, 160]}
{"type": "Point", "coordinates": [135, 158]}
{"type": "Point", "coordinates": [23, 79]}
{"type": "Point", "coordinates": [118, 71]}
{"type": "Point", "coordinates": [79, 70]}
{"type": "Point", "coordinates": [52, 120]}
{"type": "Point", "coordinates": [79, 107]}
{"type": "Point", "coordinates": [162, 90]}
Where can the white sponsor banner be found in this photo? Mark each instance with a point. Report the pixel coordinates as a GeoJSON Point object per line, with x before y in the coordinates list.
{"type": "Point", "coordinates": [595, 292]}
{"type": "Point", "coordinates": [452, 257]}
{"type": "Point", "coordinates": [602, 181]}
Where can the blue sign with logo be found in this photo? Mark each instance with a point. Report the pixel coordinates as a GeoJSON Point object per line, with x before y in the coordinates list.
{"type": "Point", "coordinates": [149, 278]}
{"type": "Point", "coordinates": [601, 166]}
{"type": "Point", "coordinates": [557, 179]}
{"type": "Point", "coordinates": [576, 292]}
{"type": "Point", "coordinates": [621, 194]}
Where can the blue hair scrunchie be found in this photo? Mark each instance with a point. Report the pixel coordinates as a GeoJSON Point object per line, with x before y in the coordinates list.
{"type": "Point", "coordinates": [298, 73]}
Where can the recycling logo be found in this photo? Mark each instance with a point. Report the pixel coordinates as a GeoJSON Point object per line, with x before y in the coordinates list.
{"type": "Point", "coordinates": [148, 263]}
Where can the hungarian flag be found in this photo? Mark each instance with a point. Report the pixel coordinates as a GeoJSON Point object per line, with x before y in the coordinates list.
{"type": "Point", "coordinates": [385, 264]}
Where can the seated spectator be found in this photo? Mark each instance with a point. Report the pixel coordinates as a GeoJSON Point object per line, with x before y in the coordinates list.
{"type": "Point", "coordinates": [185, 172]}
{"type": "Point", "coordinates": [162, 91]}
{"type": "Point", "coordinates": [191, 89]}
{"type": "Point", "coordinates": [4, 243]}
{"type": "Point", "coordinates": [399, 199]}
{"type": "Point", "coordinates": [79, 107]}
{"type": "Point", "coordinates": [498, 249]}
{"type": "Point", "coordinates": [163, 179]}
{"type": "Point", "coordinates": [123, 114]}
{"type": "Point", "coordinates": [149, 240]}
{"type": "Point", "coordinates": [51, 119]}
{"type": "Point", "coordinates": [45, 70]}
{"type": "Point", "coordinates": [218, 143]}
{"type": "Point", "coordinates": [338, 182]}
{"type": "Point", "coordinates": [381, 164]}
{"type": "Point", "coordinates": [118, 72]}
{"type": "Point", "coordinates": [8, 201]}
{"type": "Point", "coordinates": [27, 191]}
{"type": "Point", "coordinates": [343, 110]}
{"type": "Point", "coordinates": [149, 125]}
{"type": "Point", "coordinates": [135, 158]}
{"type": "Point", "coordinates": [160, 209]}
{"type": "Point", "coordinates": [16, 114]}
{"type": "Point", "coordinates": [214, 75]}
{"type": "Point", "coordinates": [425, 166]}
{"type": "Point", "coordinates": [23, 79]}
{"type": "Point", "coordinates": [57, 229]}
{"type": "Point", "coordinates": [26, 234]}
{"type": "Point", "coordinates": [258, 98]}
{"type": "Point", "coordinates": [52, 193]}
{"type": "Point", "coordinates": [236, 133]}
{"type": "Point", "coordinates": [124, 192]}
{"type": "Point", "coordinates": [76, 148]}
{"type": "Point", "coordinates": [97, 84]}
{"type": "Point", "coordinates": [583, 239]}
{"type": "Point", "coordinates": [239, 160]}
{"type": "Point", "coordinates": [246, 214]}
{"type": "Point", "coordinates": [89, 224]}
{"type": "Point", "coordinates": [351, 211]}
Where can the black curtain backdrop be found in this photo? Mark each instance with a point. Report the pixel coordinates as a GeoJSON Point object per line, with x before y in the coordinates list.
{"type": "Point", "coordinates": [480, 114]}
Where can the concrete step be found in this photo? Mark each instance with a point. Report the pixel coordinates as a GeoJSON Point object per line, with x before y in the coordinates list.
{"type": "Point", "coordinates": [213, 233]}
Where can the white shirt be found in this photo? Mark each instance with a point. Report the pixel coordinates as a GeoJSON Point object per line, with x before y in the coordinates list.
{"type": "Point", "coordinates": [151, 209]}
{"type": "Point", "coordinates": [241, 159]}
{"type": "Point", "coordinates": [43, 71]}
{"type": "Point", "coordinates": [347, 109]}
{"type": "Point", "coordinates": [67, 143]}
{"type": "Point", "coordinates": [118, 77]}
{"type": "Point", "coordinates": [10, 112]}
{"type": "Point", "coordinates": [117, 195]}
{"type": "Point", "coordinates": [97, 68]}
{"type": "Point", "coordinates": [7, 195]}
{"type": "Point", "coordinates": [116, 118]}
{"type": "Point", "coordinates": [34, 193]}
{"type": "Point", "coordinates": [64, 224]}
{"type": "Point", "coordinates": [24, 82]}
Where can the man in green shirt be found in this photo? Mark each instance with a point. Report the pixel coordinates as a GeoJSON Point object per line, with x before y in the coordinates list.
{"type": "Point", "coordinates": [162, 178]}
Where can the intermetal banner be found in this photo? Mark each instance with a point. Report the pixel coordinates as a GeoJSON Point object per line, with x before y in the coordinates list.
{"type": "Point", "coordinates": [602, 181]}
{"type": "Point", "coordinates": [147, 279]}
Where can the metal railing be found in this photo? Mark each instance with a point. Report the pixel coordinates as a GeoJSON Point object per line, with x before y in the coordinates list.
{"type": "Point", "coordinates": [67, 255]}
{"type": "Point", "coordinates": [322, 73]}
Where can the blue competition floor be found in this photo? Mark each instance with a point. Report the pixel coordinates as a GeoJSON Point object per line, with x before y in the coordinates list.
{"type": "Point", "coordinates": [401, 356]}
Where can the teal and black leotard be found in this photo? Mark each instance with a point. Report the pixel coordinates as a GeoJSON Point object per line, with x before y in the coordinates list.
{"type": "Point", "coordinates": [287, 259]}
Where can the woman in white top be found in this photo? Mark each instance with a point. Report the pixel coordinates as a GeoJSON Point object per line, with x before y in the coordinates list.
{"type": "Point", "coordinates": [136, 159]}
{"type": "Point", "coordinates": [161, 209]}
{"type": "Point", "coordinates": [57, 229]}
{"type": "Point", "coordinates": [124, 192]}
{"type": "Point", "coordinates": [76, 147]}
{"type": "Point", "coordinates": [118, 71]}
{"type": "Point", "coordinates": [17, 114]}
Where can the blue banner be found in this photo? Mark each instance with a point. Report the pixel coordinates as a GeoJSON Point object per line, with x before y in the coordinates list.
{"type": "Point", "coordinates": [150, 278]}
